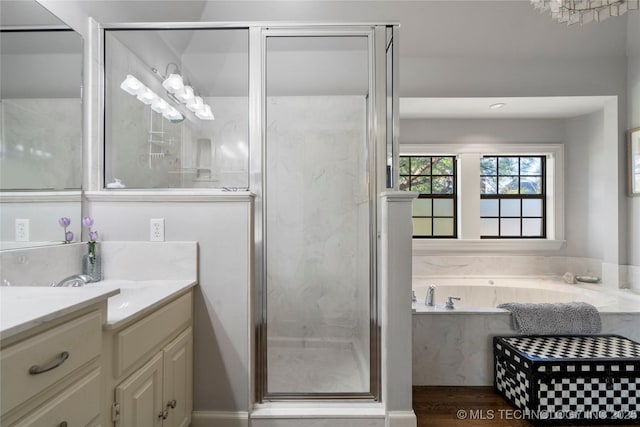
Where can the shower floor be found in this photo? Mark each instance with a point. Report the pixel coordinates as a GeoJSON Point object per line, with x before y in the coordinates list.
{"type": "Point", "coordinates": [316, 366]}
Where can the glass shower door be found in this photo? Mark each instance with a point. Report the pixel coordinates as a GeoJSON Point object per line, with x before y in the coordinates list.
{"type": "Point", "coordinates": [318, 221]}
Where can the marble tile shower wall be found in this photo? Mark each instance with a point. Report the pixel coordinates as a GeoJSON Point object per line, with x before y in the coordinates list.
{"type": "Point", "coordinates": [43, 137]}
{"type": "Point", "coordinates": [504, 265]}
{"type": "Point", "coordinates": [315, 290]}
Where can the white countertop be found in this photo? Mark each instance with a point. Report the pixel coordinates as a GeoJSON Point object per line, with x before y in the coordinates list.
{"type": "Point", "coordinates": [138, 297]}
{"type": "Point", "coordinates": [23, 307]}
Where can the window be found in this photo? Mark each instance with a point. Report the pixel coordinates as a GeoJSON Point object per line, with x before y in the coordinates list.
{"type": "Point", "coordinates": [507, 197]}
{"type": "Point", "coordinates": [512, 192]}
{"type": "Point", "coordinates": [434, 178]}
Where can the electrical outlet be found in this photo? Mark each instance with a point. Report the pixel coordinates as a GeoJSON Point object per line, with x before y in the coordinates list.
{"type": "Point", "coordinates": [22, 230]}
{"type": "Point", "coordinates": [156, 226]}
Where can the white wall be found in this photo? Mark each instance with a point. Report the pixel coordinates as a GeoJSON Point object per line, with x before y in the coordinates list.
{"type": "Point", "coordinates": [222, 230]}
{"type": "Point", "coordinates": [585, 187]}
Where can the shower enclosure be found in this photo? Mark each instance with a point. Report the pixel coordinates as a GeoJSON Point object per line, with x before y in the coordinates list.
{"type": "Point", "coordinates": [324, 158]}
{"type": "Point", "coordinates": [306, 119]}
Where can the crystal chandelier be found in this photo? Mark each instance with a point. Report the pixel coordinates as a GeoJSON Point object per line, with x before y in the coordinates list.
{"type": "Point", "coordinates": [584, 11]}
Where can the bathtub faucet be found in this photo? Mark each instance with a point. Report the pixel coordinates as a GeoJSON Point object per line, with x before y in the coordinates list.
{"type": "Point", "coordinates": [449, 304]}
{"type": "Point", "coordinates": [430, 300]}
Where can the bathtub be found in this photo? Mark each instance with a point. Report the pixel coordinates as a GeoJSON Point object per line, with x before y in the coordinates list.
{"type": "Point", "coordinates": [453, 346]}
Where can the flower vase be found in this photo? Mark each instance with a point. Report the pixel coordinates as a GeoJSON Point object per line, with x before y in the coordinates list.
{"type": "Point", "coordinates": [92, 267]}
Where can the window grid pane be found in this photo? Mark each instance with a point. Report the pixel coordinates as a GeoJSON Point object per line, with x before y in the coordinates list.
{"type": "Point", "coordinates": [434, 178]}
{"type": "Point", "coordinates": [517, 185]}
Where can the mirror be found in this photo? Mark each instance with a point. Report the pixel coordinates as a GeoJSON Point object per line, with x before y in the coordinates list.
{"type": "Point", "coordinates": [40, 126]}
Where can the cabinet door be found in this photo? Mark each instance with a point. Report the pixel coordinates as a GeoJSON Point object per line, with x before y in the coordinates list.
{"type": "Point", "coordinates": [140, 396]}
{"type": "Point", "coordinates": [178, 380]}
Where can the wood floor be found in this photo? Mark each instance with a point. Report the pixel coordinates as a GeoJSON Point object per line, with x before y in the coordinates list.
{"type": "Point", "coordinates": [464, 406]}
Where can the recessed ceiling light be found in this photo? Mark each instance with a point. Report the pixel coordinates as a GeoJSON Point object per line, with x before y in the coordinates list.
{"type": "Point", "coordinates": [497, 105]}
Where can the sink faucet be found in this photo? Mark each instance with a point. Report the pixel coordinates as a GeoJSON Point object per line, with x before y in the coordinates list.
{"type": "Point", "coordinates": [449, 303]}
{"type": "Point", "coordinates": [74, 281]}
{"type": "Point", "coordinates": [430, 300]}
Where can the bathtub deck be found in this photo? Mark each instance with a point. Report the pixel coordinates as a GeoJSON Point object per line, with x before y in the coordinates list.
{"type": "Point", "coordinates": [437, 406]}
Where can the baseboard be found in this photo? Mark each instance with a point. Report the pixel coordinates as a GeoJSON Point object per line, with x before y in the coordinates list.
{"type": "Point", "coordinates": [219, 419]}
{"type": "Point", "coordinates": [401, 419]}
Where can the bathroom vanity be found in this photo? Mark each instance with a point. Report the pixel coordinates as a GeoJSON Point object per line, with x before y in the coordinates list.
{"type": "Point", "coordinates": [51, 357]}
{"type": "Point", "coordinates": [112, 352]}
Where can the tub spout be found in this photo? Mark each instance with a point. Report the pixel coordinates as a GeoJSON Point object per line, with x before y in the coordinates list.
{"type": "Point", "coordinates": [430, 300]}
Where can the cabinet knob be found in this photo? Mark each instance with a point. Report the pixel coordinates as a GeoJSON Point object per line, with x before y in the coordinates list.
{"type": "Point", "coordinates": [163, 415]}
{"type": "Point", "coordinates": [172, 403]}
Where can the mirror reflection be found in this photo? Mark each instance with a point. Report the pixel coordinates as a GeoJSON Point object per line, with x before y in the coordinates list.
{"type": "Point", "coordinates": [40, 128]}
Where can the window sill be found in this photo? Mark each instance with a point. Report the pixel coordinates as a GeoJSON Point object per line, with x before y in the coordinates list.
{"type": "Point", "coordinates": [441, 246]}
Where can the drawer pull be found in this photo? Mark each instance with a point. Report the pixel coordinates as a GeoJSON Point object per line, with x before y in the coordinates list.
{"type": "Point", "coordinates": [172, 404]}
{"type": "Point", "coordinates": [63, 424]}
{"type": "Point", "coordinates": [35, 369]}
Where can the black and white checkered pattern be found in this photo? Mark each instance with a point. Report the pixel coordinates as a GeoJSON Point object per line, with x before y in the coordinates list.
{"type": "Point", "coordinates": [590, 394]}
{"type": "Point", "coordinates": [569, 347]}
{"type": "Point", "coordinates": [592, 378]}
{"type": "Point", "coordinates": [515, 389]}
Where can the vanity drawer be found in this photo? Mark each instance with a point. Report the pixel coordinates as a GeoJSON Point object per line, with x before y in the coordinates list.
{"type": "Point", "coordinates": [80, 339]}
{"type": "Point", "coordinates": [77, 405]}
{"type": "Point", "coordinates": [132, 344]}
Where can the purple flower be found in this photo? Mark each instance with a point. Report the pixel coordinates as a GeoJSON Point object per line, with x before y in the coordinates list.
{"type": "Point", "coordinates": [87, 221]}
{"type": "Point", "coordinates": [68, 236]}
{"type": "Point", "coordinates": [93, 236]}
{"type": "Point", "coordinates": [64, 222]}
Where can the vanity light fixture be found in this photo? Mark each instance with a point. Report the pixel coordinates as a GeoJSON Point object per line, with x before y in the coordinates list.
{"type": "Point", "coordinates": [133, 86]}
{"type": "Point", "coordinates": [176, 88]}
{"type": "Point", "coordinates": [584, 11]}
{"type": "Point", "coordinates": [497, 105]}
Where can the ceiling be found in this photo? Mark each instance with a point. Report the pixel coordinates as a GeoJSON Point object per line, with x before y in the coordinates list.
{"type": "Point", "coordinates": [478, 108]}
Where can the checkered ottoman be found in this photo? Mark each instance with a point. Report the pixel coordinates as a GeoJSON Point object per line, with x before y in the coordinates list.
{"type": "Point", "coordinates": [560, 379]}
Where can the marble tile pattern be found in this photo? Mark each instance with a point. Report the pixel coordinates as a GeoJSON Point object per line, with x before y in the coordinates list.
{"type": "Point", "coordinates": [149, 260]}
{"type": "Point", "coordinates": [456, 349]}
{"type": "Point", "coordinates": [504, 265]}
{"type": "Point", "coordinates": [317, 279]}
{"type": "Point", "coordinates": [319, 366]}
{"type": "Point", "coordinates": [40, 266]}
{"type": "Point", "coordinates": [42, 144]}
{"type": "Point", "coordinates": [120, 260]}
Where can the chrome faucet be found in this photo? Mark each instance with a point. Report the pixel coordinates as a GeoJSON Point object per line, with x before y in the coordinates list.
{"type": "Point", "coordinates": [430, 300]}
{"type": "Point", "coordinates": [74, 281]}
{"type": "Point", "coordinates": [449, 303]}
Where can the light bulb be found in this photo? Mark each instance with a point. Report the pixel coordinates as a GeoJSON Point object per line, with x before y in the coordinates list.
{"type": "Point", "coordinates": [131, 85]}
{"type": "Point", "coordinates": [172, 114]}
{"type": "Point", "coordinates": [160, 106]}
{"type": "Point", "coordinates": [147, 96]}
{"type": "Point", "coordinates": [173, 83]}
{"type": "Point", "coordinates": [205, 113]}
{"type": "Point", "coordinates": [185, 95]}
{"type": "Point", "coordinates": [195, 104]}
